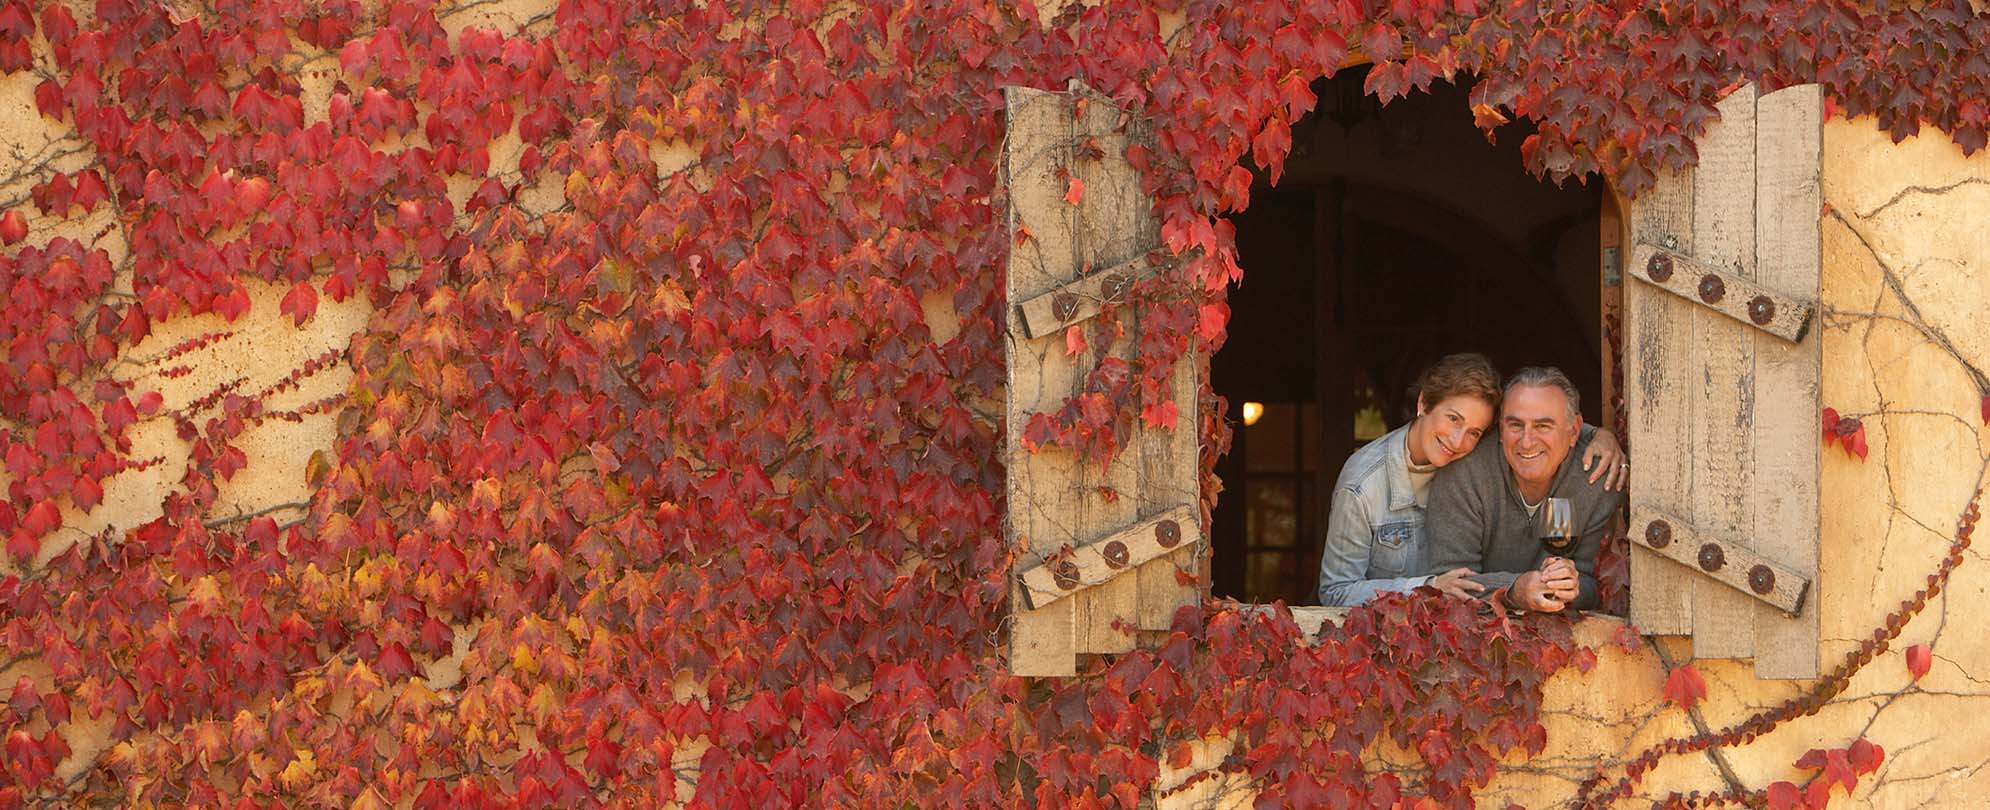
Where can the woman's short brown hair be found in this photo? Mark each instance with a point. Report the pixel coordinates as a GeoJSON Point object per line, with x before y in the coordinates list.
{"type": "Point", "coordinates": [1467, 373]}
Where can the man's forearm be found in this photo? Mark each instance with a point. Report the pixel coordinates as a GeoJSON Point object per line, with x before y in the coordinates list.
{"type": "Point", "coordinates": [1588, 599]}
{"type": "Point", "coordinates": [1494, 580]}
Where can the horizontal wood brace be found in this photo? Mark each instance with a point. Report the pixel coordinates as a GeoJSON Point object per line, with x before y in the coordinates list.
{"type": "Point", "coordinates": [1079, 300]}
{"type": "Point", "coordinates": [1724, 562]}
{"type": "Point", "coordinates": [1722, 291]}
{"type": "Point", "coordinates": [1121, 552]}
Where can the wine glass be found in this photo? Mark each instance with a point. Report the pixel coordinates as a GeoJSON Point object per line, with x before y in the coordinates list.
{"type": "Point", "coordinates": [1555, 525]}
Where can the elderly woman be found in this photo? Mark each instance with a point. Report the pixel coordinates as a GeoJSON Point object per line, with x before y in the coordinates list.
{"type": "Point", "coordinates": [1375, 535]}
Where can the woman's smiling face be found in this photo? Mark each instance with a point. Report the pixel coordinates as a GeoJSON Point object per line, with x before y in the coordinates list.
{"type": "Point", "coordinates": [1448, 430]}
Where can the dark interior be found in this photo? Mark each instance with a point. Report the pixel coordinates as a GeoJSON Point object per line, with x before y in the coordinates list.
{"type": "Point", "coordinates": [1397, 235]}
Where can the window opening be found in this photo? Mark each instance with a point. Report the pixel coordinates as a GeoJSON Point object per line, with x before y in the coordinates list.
{"type": "Point", "coordinates": [1397, 235]}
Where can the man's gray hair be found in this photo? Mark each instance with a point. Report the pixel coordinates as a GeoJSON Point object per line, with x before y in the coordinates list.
{"type": "Point", "coordinates": [1546, 377]}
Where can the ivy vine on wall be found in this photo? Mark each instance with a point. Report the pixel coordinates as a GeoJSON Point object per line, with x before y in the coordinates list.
{"type": "Point", "coordinates": [658, 480]}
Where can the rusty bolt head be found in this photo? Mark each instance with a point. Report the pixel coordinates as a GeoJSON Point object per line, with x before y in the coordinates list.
{"type": "Point", "coordinates": [1761, 580]}
{"type": "Point", "coordinates": [1064, 305]}
{"type": "Point", "coordinates": [1658, 534]}
{"type": "Point", "coordinates": [1659, 268]}
{"type": "Point", "coordinates": [1116, 554]}
{"type": "Point", "coordinates": [1168, 533]}
{"type": "Point", "coordinates": [1712, 288]}
{"type": "Point", "coordinates": [1116, 286]}
{"type": "Point", "coordinates": [1712, 557]}
{"type": "Point", "coordinates": [1065, 574]}
{"type": "Point", "coordinates": [1762, 310]}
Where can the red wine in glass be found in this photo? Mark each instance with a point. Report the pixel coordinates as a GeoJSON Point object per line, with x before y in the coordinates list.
{"type": "Point", "coordinates": [1555, 526]}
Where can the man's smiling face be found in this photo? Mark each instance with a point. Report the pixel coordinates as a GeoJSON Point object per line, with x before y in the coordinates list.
{"type": "Point", "coordinates": [1537, 430]}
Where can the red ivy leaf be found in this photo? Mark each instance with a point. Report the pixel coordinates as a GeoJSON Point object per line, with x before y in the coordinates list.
{"type": "Point", "coordinates": [232, 305]}
{"type": "Point", "coordinates": [1297, 96]}
{"type": "Point", "coordinates": [89, 190]}
{"type": "Point", "coordinates": [1159, 415]}
{"type": "Point", "coordinates": [87, 493]}
{"type": "Point", "coordinates": [251, 195]}
{"type": "Point", "coordinates": [1074, 340]}
{"type": "Point", "coordinates": [1784, 796]}
{"type": "Point", "coordinates": [1388, 80]}
{"type": "Point", "coordinates": [48, 98]}
{"type": "Point", "coordinates": [1237, 188]}
{"type": "Point", "coordinates": [41, 519]}
{"type": "Point", "coordinates": [1838, 768]}
{"type": "Point", "coordinates": [25, 698]}
{"type": "Point", "coordinates": [1685, 686]}
{"type": "Point", "coordinates": [300, 302]}
{"type": "Point", "coordinates": [1210, 319]}
{"type": "Point", "coordinates": [1865, 755]}
{"type": "Point", "coordinates": [1986, 409]}
{"type": "Point", "coordinates": [22, 545]}
{"type": "Point", "coordinates": [1846, 431]}
{"type": "Point", "coordinates": [1627, 638]}
{"type": "Point", "coordinates": [14, 228]}
{"type": "Point", "coordinates": [1269, 148]}
{"type": "Point", "coordinates": [1382, 44]}
{"type": "Point", "coordinates": [1919, 659]}
{"type": "Point", "coordinates": [1074, 192]}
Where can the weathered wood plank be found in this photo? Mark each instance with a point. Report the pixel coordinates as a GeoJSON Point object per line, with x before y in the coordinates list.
{"type": "Point", "coordinates": [1657, 390]}
{"type": "Point", "coordinates": [1723, 235]}
{"type": "Point", "coordinates": [1728, 293]}
{"type": "Point", "coordinates": [1041, 501]}
{"type": "Point", "coordinates": [1116, 555]}
{"type": "Point", "coordinates": [1171, 474]}
{"type": "Point", "coordinates": [1789, 198]}
{"type": "Point", "coordinates": [1721, 559]}
{"type": "Point", "coordinates": [1048, 314]}
{"type": "Point", "coordinates": [1116, 225]}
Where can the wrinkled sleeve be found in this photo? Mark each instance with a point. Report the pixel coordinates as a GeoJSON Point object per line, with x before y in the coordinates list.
{"type": "Point", "coordinates": [1344, 560]}
{"type": "Point", "coordinates": [1456, 522]}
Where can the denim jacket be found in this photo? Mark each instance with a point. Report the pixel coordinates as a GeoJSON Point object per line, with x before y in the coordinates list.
{"type": "Point", "coordinates": [1375, 532]}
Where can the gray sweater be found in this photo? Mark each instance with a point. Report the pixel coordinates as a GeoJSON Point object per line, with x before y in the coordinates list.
{"type": "Point", "coordinates": [1476, 519]}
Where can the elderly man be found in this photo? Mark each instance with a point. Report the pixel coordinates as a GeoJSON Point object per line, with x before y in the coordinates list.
{"type": "Point", "coordinates": [1483, 507]}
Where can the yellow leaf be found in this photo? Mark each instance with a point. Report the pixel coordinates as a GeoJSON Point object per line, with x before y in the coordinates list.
{"type": "Point", "coordinates": [300, 771]}
{"type": "Point", "coordinates": [317, 468]}
{"type": "Point", "coordinates": [370, 800]}
{"type": "Point", "coordinates": [206, 594]}
{"type": "Point", "coordinates": [523, 660]}
{"type": "Point", "coordinates": [670, 298]}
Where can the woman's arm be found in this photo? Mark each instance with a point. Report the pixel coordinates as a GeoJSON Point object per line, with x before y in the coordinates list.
{"type": "Point", "coordinates": [1344, 560]}
{"type": "Point", "coordinates": [1605, 459]}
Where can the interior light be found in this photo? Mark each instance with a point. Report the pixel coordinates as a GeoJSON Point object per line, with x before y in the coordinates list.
{"type": "Point", "coordinates": [1252, 410]}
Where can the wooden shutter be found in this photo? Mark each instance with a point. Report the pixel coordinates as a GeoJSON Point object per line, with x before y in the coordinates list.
{"type": "Point", "coordinates": [1721, 378]}
{"type": "Point", "coordinates": [1099, 553]}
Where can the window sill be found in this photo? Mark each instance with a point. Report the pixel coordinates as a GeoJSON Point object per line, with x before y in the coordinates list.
{"type": "Point", "coordinates": [1311, 619]}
